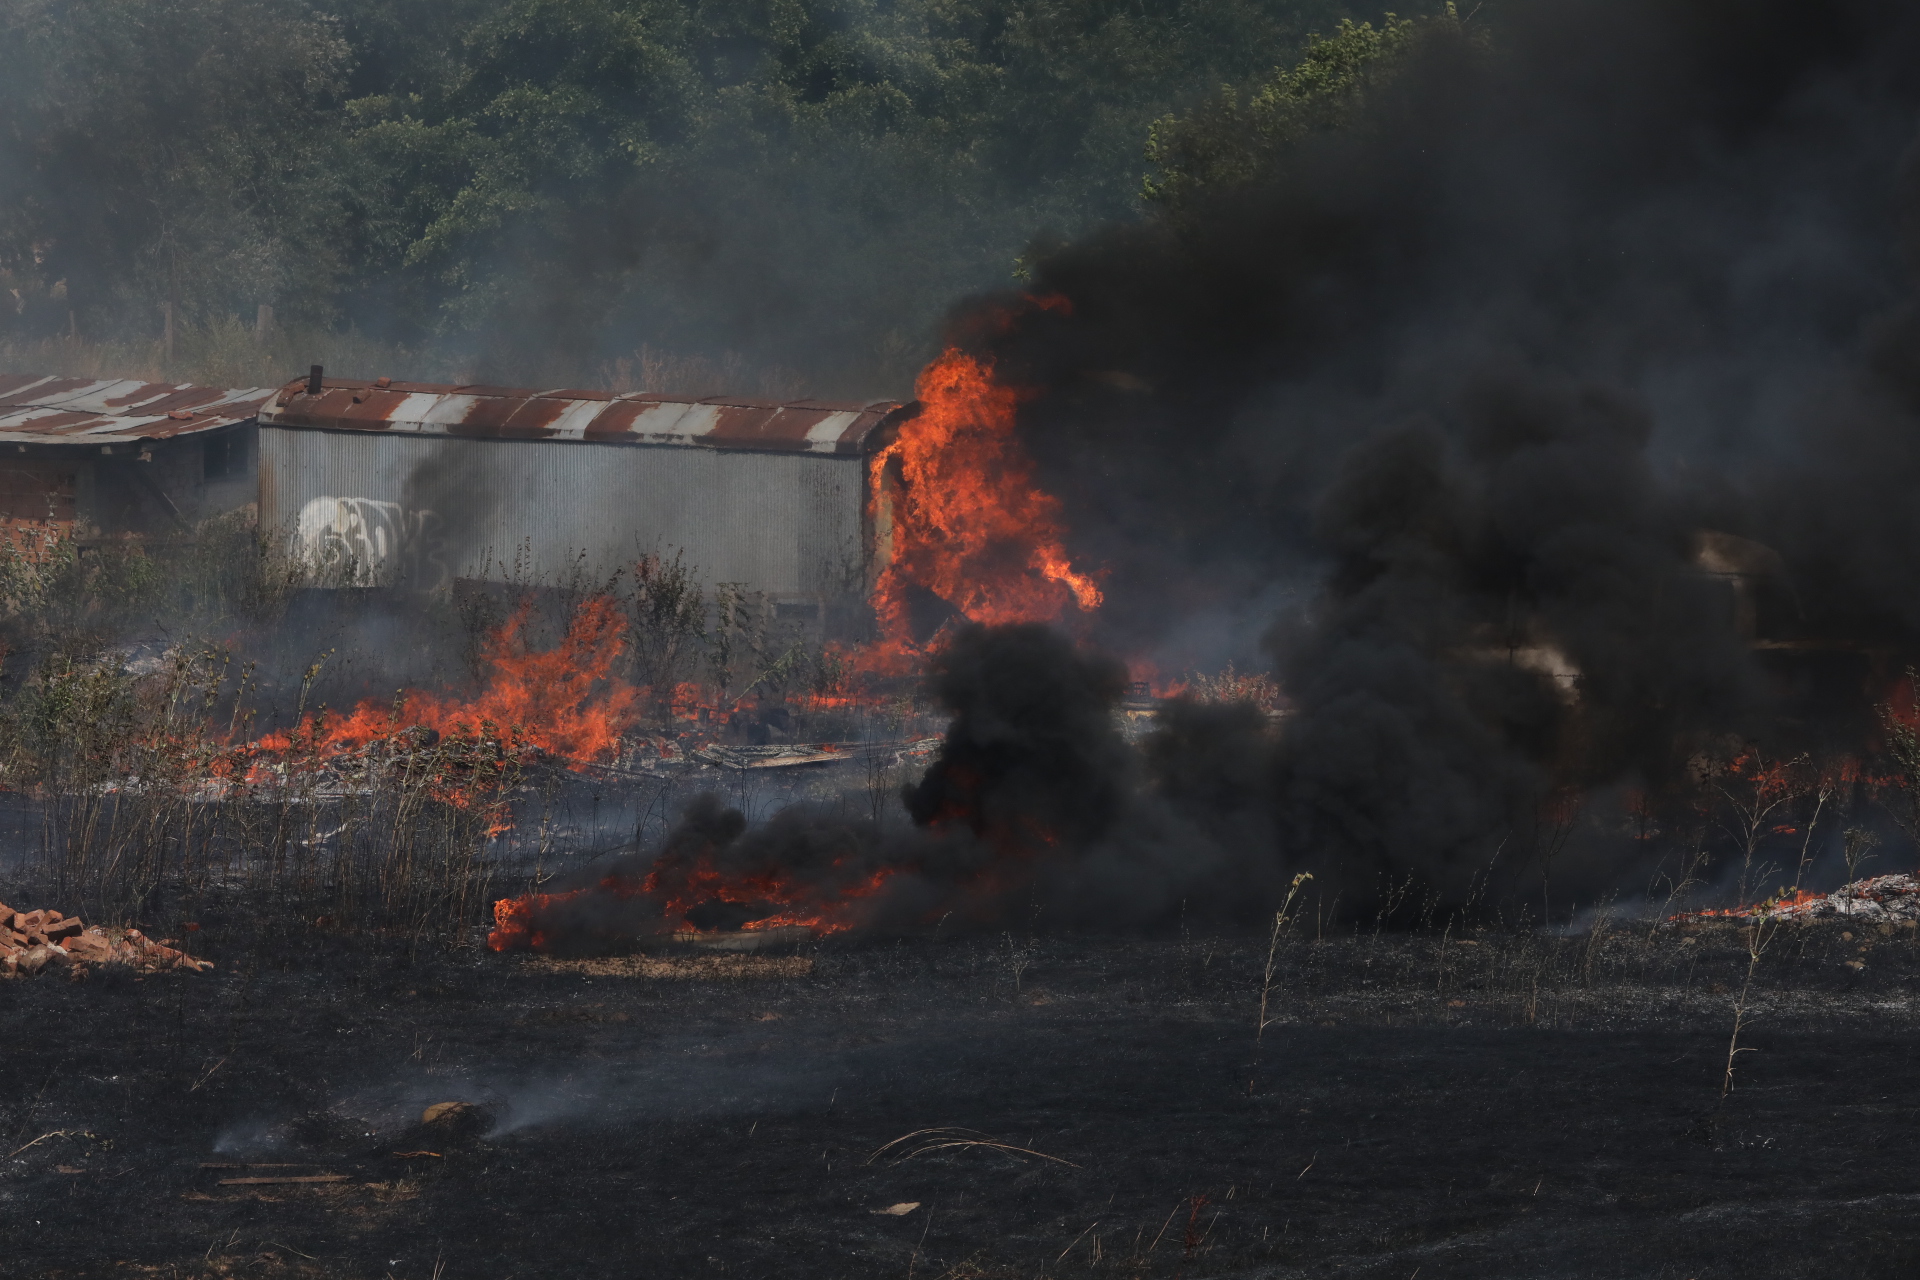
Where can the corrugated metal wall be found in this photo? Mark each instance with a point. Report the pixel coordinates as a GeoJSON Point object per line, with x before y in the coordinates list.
{"type": "Point", "coordinates": [421, 511]}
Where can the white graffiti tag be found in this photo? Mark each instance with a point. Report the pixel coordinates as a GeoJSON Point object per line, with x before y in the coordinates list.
{"type": "Point", "coordinates": [364, 541]}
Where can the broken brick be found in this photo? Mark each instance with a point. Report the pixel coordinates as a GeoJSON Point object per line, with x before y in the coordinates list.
{"type": "Point", "coordinates": [68, 944]}
{"type": "Point", "coordinates": [89, 946]}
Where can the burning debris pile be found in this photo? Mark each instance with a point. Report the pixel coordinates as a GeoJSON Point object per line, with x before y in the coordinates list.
{"type": "Point", "coordinates": [36, 941]}
{"type": "Point", "coordinates": [1035, 801]}
{"type": "Point", "coordinates": [801, 869]}
{"type": "Point", "coordinates": [1889, 899]}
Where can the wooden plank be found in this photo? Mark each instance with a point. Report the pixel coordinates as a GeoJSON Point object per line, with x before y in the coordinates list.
{"type": "Point", "coordinates": [302, 1164]}
{"type": "Point", "coordinates": [276, 1182]}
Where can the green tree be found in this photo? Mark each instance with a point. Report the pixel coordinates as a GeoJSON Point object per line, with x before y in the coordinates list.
{"type": "Point", "coordinates": [526, 188]}
{"type": "Point", "coordinates": [154, 150]}
{"type": "Point", "coordinates": [1237, 138]}
{"type": "Point", "coordinates": [813, 180]}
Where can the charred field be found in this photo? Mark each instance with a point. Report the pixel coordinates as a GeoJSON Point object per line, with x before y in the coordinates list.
{"type": "Point", "coordinates": [1503, 1103]}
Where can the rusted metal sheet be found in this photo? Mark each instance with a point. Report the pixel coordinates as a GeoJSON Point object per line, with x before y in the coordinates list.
{"type": "Point", "coordinates": [597, 417]}
{"type": "Point", "coordinates": [37, 409]}
{"type": "Point", "coordinates": [422, 508]}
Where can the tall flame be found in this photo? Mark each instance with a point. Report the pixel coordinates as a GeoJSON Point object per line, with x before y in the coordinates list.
{"type": "Point", "coordinates": [968, 522]}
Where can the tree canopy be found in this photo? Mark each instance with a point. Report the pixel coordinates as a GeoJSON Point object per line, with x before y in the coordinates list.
{"type": "Point", "coordinates": [1238, 138]}
{"type": "Point", "coordinates": [543, 183]}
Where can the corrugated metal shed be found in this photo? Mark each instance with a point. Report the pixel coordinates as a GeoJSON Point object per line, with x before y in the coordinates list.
{"type": "Point", "coordinates": [421, 511]}
{"type": "Point", "coordinates": [584, 417]}
{"type": "Point", "coordinates": [416, 484]}
{"type": "Point", "coordinates": [40, 410]}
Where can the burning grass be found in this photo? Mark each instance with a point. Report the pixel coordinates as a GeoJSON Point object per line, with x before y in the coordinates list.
{"type": "Point", "coordinates": [564, 701]}
{"type": "Point", "coordinates": [163, 782]}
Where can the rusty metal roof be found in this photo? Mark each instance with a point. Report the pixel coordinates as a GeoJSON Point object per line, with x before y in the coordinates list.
{"type": "Point", "coordinates": [36, 409]}
{"type": "Point", "coordinates": [590, 417]}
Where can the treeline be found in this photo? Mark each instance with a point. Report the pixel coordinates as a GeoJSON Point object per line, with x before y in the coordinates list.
{"type": "Point", "coordinates": [532, 190]}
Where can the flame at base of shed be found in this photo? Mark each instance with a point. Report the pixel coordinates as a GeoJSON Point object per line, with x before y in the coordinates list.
{"type": "Point", "coordinates": [970, 526]}
{"type": "Point", "coordinates": [564, 701]}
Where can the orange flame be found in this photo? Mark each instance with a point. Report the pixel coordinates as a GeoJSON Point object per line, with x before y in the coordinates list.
{"type": "Point", "coordinates": [822, 907]}
{"type": "Point", "coordinates": [516, 921]}
{"type": "Point", "coordinates": [831, 906]}
{"type": "Point", "coordinates": [968, 521]}
{"type": "Point", "coordinates": [564, 700]}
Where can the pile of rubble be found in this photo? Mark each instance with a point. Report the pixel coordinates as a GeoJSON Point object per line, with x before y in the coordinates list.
{"type": "Point", "coordinates": [33, 941]}
{"type": "Point", "coordinates": [1875, 900]}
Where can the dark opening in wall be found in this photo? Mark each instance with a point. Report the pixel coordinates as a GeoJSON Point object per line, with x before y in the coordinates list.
{"type": "Point", "coordinates": [224, 457]}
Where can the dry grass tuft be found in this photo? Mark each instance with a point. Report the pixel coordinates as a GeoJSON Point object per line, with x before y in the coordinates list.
{"type": "Point", "coordinates": [705, 967]}
{"type": "Point", "coordinates": [948, 1138]}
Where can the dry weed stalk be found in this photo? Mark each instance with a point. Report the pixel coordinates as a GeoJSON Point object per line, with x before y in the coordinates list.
{"type": "Point", "coordinates": [1856, 849]}
{"type": "Point", "coordinates": [1557, 814]}
{"type": "Point", "coordinates": [1680, 886]}
{"type": "Point", "coordinates": [1273, 950]}
{"type": "Point", "coordinates": [1828, 782]}
{"type": "Point", "coordinates": [1754, 792]}
{"type": "Point", "coordinates": [1261, 1021]}
{"type": "Point", "coordinates": [1019, 959]}
{"type": "Point", "coordinates": [1757, 936]}
{"type": "Point", "coordinates": [1596, 940]}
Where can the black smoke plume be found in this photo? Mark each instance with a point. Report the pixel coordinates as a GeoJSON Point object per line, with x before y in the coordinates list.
{"type": "Point", "coordinates": [1466, 405]}
{"type": "Point", "coordinates": [1032, 756]}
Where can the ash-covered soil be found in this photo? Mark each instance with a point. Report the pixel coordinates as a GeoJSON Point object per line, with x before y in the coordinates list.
{"type": "Point", "coordinates": [1500, 1105]}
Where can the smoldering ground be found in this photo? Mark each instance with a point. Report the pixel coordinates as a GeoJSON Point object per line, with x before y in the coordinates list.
{"type": "Point", "coordinates": [1469, 376]}
{"type": "Point", "coordinates": [685, 1074]}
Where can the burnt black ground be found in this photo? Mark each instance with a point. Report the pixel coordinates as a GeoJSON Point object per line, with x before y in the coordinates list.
{"type": "Point", "coordinates": [652, 1127]}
